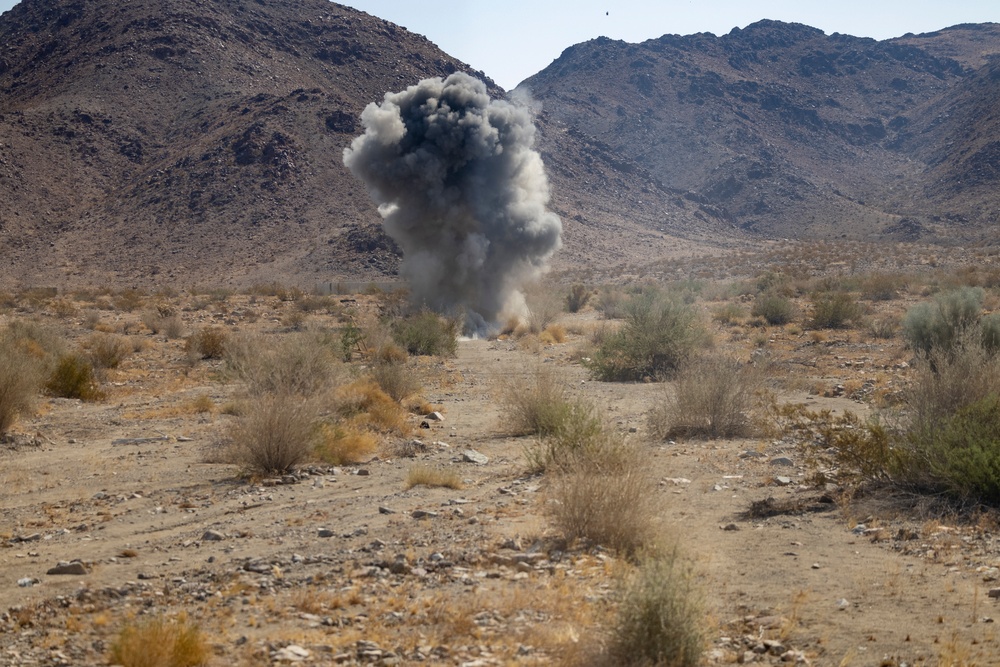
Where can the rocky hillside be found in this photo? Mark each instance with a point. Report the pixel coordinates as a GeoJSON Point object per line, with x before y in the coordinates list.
{"type": "Point", "coordinates": [192, 142]}
{"type": "Point", "coordinates": [790, 132]}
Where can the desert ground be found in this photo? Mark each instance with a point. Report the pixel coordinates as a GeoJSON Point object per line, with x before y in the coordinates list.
{"type": "Point", "coordinates": [134, 495]}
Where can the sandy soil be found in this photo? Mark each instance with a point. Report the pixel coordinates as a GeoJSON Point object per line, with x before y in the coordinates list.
{"type": "Point", "coordinates": [344, 565]}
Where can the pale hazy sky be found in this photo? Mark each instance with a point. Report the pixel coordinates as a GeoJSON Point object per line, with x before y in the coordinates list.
{"type": "Point", "coordinates": [513, 39]}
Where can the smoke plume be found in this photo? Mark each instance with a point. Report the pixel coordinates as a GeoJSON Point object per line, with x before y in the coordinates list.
{"type": "Point", "coordinates": [462, 191]}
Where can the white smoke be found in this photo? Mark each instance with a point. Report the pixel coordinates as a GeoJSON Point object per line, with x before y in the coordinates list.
{"type": "Point", "coordinates": [462, 191]}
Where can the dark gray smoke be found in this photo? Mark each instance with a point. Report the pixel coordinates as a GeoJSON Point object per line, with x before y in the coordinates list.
{"type": "Point", "coordinates": [462, 191]}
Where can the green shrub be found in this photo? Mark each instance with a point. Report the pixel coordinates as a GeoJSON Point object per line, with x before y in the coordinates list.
{"type": "Point", "coordinates": [941, 323]}
{"type": "Point", "coordinates": [834, 310]}
{"type": "Point", "coordinates": [948, 380]}
{"type": "Point", "coordinates": [577, 298]}
{"type": "Point", "coordinates": [713, 398]}
{"type": "Point", "coordinates": [728, 314]}
{"type": "Point", "coordinates": [773, 307]}
{"type": "Point", "coordinates": [658, 335]}
{"type": "Point", "coordinates": [660, 619]}
{"type": "Point", "coordinates": [73, 377]}
{"type": "Point", "coordinates": [426, 333]}
{"type": "Point", "coordinates": [881, 287]}
{"type": "Point", "coordinates": [579, 436]}
{"type": "Point", "coordinates": [962, 452]}
{"type": "Point", "coordinates": [395, 379]}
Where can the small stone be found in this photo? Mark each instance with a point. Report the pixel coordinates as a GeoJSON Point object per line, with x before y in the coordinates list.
{"type": "Point", "coordinates": [364, 472]}
{"type": "Point", "coordinates": [212, 536]}
{"type": "Point", "coordinates": [291, 653]}
{"type": "Point", "coordinates": [424, 514]}
{"type": "Point", "coordinates": [472, 456]}
{"type": "Point", "coordinates": [100, 495]}
{"type": "Point", "coordinates": [435, 417]}
{"type": "Point", "coordinates": [731, 527]}
{"type": "Point", "coordinates": [27, 582]}
{"type": "Point", "coordinates": [325, 532]}
{"type": "Point", "coordinates": [385, 510]}
{"type": "Point", "coordinates": [76, 567]}
{"type": "Point", "coordinates": [994, 593]}
{"type": "Point", "coordinates": [815, 566]}
{"type": "Point", "coordinates": [782, 481]}
{"type": "Point", "coordinates": [782, 461]}
{"type": "Point", "coordinates": [843, 604]}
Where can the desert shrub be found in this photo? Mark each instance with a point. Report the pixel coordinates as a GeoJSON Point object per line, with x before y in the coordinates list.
{"type": "Point", "coordinates": [940, 324]}
{"type": "Point", "coordinates": [74, 377]}
{"type": "Point", "coordinates": [352, 339]}
{"type": "Point", "coordinates": [658, 335]}
{"type": "Point", "coordinates": [426, 333]}
{"type": "Point", "coordinates": [91, 319]}
{"type": "Point", "coordinates": [881, 287]}
{"type": "Point", "coordinates": [342, 445]}
{"type": "Point", "coordinates": [728, 314]}
{"type": "Point", "coordinates": [207, 343]}
{"type": "Point", "coordinates": [553, 334]}
{"type": "Point", "coordinates": [604, 494]}
{"type": "Point", "coordinates": [537, 405]}
{"type": "Point", "coordinates": [775, 308]}
{"type": "Point", "coordinates": [948, 380]}
{"type": "Point", "coordinates": [63, 308]}
{"type": "Point", "coordinates": [580, 435]}
{"type": "Point", "coordinates": [544, 306]}
{"type": "Point", "coordinates": [883, 328]}
{"type": "Point", "coordinates": [276, 432]}
{"type": "Point", "coordinates": [660, 618]}
{"type": "Point", "coordinates": [129, 300]}
{"type": "Point", "coordinates": [300, 364]}
{"type": "Point", "coordinates": [395, 379]}
{"type": "Point", "coordinates": [159, 643]}
{"type": "Point", "coordinates": [833, 310]}
{"type": "Point", "coordinates": [611, 302]}
{"type": "Point", "coordinates": [425, 475]}
{"type": "Point", "coordinates": [364, 405]}
{"type": "Point", "coordinates": [961, 454]}
{"type": "Point", "coordinates": [577, 298]}
{"type": "Point", "coordinates": [989, 329]}
{"type": "Point", "coordinates": [37, 341]}
{"type": "Point", "coordinates": [20, 380]}
{"type": "Point", "coordinates": [107, 350]}
{"type": "Point", "coordinates": [713, 398]}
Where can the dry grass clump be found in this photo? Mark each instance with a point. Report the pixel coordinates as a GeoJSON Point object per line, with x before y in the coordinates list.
{"type": "Point", "coordinates": [536, 405]}
{"type": "Point", "coordinates": [426, 333]}
{"type": "Point", "coordinates": [107, 350]}
{"type": "Point", "coordinates": [207, 343]}
{"type": "Point", "coordinates": [159, 643]}
{"type": "Point", "coordinates": [342, 445]}
{"type": "Point", "coordinates": [553, 335]}
{"type": "Point", "coordinates": [660, 619]}
{"type": "Point", "coordinates": [833, 310]}
{"type": "Point", "coordinates": [603, 493]}
{"type": "Point", "coordinates": [774, 307]}
{"type": "Point", "coordinates": [276, 432]}
{"type": "Point", "coordinates": [395, 379]}
{"type": "Point", "coordinates": [577, 298]}
{"type": "Point", "coordinates": [304, 363]}
{"type": "Point", "coordinates": [365, 406]}
{"type": "Point", "coordinates": [544, 306]}
{"type": "Point", "coordinates": [713, 398]}
{"type": "Point", "coordinates": [20, 381]}
{"type": "Point", "coordinates": [425, 475]}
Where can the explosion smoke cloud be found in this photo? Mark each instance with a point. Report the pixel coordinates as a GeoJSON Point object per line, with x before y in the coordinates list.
{"type": "Point", "coordinates": [462, 191]}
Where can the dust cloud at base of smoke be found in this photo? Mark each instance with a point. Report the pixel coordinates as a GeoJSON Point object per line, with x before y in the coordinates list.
{"type": "Point", "coordinates": [462, 191]}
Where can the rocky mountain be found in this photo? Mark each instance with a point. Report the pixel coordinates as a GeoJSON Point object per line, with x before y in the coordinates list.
{"type": "Point", "coordinates": [199, 142]}
{"type": "Point", "coordinates": [790, 132]}
{"type": "Point", "coordinates": [187, 142]}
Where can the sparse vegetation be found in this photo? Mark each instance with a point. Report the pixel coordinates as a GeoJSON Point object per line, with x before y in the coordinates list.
{"type": "Point", "coordinates": [426, 333]}
{"type": "Point", "coordinates": [538, 405]}
{"type": "Point", "coordinates": [775, 308]}
{"type": "Point", "coordinates": [302, 364]}
{"type": "Point", "coordinates": [107, 350]}
{"type": "Point", "coordinates": [658, 335]}
{"type": "Point", "coordinates": [208, 343]}
{"type": "Point", "coordinates": [577, 298]}
{"type": "Point", "coordinates": [156, 642]}
{"type": "Point", "coordinates": [343, 445]}
{"type": "Point", "coordinates": [425, 475]}
{"type": "Point", "coordinates": [660, 619]}
{"type": "Point", "coordinates": [74, 377]}
{"type": "Point", "coordinates": [276, 432]}
{"type": "Point", "coordinates": [713, 398]}
{"type": "Point", "coordinates": [833, 310]}
{"type": "Point", "coordinates": [939, 325]}
{"type": "Point", "coordinates": [20, 380]}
